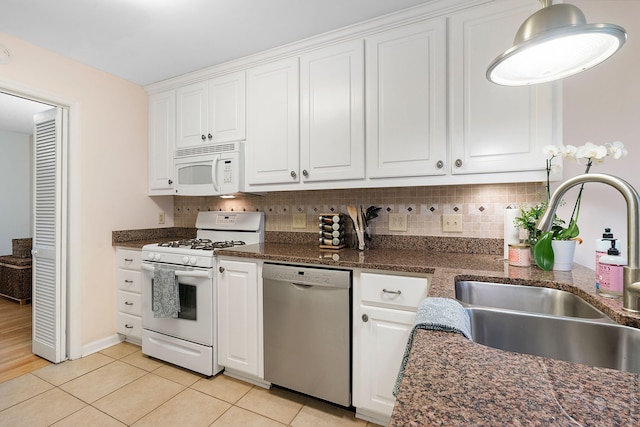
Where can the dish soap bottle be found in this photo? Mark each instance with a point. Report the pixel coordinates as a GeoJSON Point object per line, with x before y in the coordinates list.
{"type": "Point", "coordinates": [602, 246]}
{"type": "Point", "coordinates": [611, 276]}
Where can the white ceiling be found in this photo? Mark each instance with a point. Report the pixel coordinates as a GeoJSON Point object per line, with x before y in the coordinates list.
{"type": "Point", "coordinates": [146, 41]}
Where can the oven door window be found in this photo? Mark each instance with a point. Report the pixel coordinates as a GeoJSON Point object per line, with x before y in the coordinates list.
{"type": "Point", "coordinates": [188, 300]}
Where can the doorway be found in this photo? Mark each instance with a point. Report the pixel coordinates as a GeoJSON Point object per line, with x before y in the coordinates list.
{"type": "Point", "coordinates": [46, 151]}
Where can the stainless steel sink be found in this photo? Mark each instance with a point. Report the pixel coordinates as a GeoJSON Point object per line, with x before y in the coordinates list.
{"type": "Point", "coordinates": [529, 299]}
{"type": "Point", "coordinates": [606, 345]}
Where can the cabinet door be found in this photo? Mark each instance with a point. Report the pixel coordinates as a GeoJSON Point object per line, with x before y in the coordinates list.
{"type": "Point", "coordinates": [193, 110]}
{"type": "Point", "coordinates": [332, 122]}
{"type": "Point", "coordinates": [406, 101]}
{"type": "Point", "coordinates": [162, 139]}
{"type": "Point", "coordinates": [227, 108]}
{"type": "Point", "coordinates": [238, 327]}
{"type": "Point", "coordinates": [381, 338]}
{"type": "Point", "coordinates": [273, 123]}
{"type": "Point", "coordinates": [494, 128]}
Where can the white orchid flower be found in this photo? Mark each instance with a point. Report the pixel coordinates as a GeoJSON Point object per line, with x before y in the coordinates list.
{"type": "Point", "coordinates": [617, 150]}
{"type": "Point", "coordinates": [570, 151]}
{"type": "Point", "coordinates": [551, 151]}
{"type": "Point", "coordinates": [592, 151]}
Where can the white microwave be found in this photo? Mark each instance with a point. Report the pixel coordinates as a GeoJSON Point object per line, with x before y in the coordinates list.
{"type": "Point", "coordinates": [214, 170]}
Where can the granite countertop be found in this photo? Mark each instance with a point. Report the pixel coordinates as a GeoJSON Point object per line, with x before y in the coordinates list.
{"type": "Point", "coordinates": [452, 381]}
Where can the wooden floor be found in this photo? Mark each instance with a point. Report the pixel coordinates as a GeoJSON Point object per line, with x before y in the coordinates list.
{"type": "Point", "coordinates": [15, 341]}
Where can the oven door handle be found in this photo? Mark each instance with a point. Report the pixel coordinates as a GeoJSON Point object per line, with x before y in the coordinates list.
{"type": "Point", "coordinates": [207, 274]}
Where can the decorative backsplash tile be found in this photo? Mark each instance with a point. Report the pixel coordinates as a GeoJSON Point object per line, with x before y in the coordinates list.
{"type": "Point", "coordinates": [481, 207]}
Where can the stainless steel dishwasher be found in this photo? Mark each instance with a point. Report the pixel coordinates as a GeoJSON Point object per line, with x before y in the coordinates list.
{"type": "Point", "coordinates": [307, 330]}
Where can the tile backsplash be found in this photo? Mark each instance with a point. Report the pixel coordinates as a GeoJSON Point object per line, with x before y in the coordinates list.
{"type": "Point", "coordinates": [481, 206]}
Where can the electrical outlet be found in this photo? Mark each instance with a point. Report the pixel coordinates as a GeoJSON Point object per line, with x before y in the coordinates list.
{"type": "Point", "coordinates": [452, 223]}
{"type": "Point", "coordinates": [397, 222]}
{"type": "Point", "coordinates": [299, 220]}
{"type": "Point", "coordinates": [161, 217]}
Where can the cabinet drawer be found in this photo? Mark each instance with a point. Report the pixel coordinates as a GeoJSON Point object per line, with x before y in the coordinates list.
{"type": "Point", "coordinates": [393, 291]}
{"type": "Point", "coordinates": [129, 303]}
{"type": "Point", "coordinates": [129, 280]}
{"type": "Point", "coordinates": [129, 325]}
{"type": "Point", "coordinates": [129, 259]}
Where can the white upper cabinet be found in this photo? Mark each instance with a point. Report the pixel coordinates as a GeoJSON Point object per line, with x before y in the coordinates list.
{"type": "Point", "coordinates": [406, 101]}
{"type": "Point", "coordinates": [162, 137]}
{"type": "Point", "coordinates": [332, 113]}
{"type": "Point", "coordinates": [273, 123]}
{"type": "Point", "coordinates": [494, 128]}
{"type": "Point", "coordinates": [212, 111]}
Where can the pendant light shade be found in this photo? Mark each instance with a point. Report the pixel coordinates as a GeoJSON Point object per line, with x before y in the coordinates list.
{"type": "Point", "coordinates": [553, 43]}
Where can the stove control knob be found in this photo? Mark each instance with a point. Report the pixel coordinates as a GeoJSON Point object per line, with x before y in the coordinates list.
{"type": "Point", "coordinates": [158, 257]}
{"type": "Point", "coordinates": [193, 260]}
{"type": "Point", "coordinates": [185, 260]}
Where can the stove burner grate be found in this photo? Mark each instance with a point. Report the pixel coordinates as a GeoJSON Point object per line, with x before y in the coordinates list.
{"type": "Point", "coordinates": [202, 244]}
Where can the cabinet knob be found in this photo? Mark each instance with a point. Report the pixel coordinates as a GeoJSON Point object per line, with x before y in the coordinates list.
{"type": "Point", "coordinates": [458, 163]}
{"type": "Point", "coordinates": [209, 136]}
{"type": "Point", "coordinates": [365, 318]}
{"type": "Point", "coordinates": [170, 182]}
{"type": "Point", "coordinates": [293, 174]}
{"type": "Point", "coordinates": [203, 137]}
{"type": "Point", "coordinates": [439, 164]}
{"type": "Point", "coordinates": [221, 269]}
{"type": "Point", "coordinates": [305, 173]}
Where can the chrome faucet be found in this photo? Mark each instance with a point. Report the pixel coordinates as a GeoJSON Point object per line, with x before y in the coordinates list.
{"type": "Point", "coordinates": [631, 275]}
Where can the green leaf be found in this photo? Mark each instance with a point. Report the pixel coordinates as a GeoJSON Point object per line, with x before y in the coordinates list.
{"type": "Point", "coordinates": [569, 232]}
{"type": "Point", "coordinates": [543, 252]}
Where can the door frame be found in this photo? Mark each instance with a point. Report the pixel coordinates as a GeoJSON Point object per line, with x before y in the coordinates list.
{"type": "Point", "coordinates": [73, 345]}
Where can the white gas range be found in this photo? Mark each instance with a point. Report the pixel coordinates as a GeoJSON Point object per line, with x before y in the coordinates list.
{"type": "Point", "coordinates": [186, 336]}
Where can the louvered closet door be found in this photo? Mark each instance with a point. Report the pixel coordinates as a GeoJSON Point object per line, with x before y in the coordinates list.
{"type": "Point", "coordinates": [48, 258]}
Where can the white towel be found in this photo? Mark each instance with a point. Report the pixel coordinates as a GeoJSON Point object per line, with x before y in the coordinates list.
{"type": "Point", "coordinates": [166, 295]}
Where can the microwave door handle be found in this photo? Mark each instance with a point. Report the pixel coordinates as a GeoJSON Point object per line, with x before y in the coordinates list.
{"type": "Point", "coordinates": [214, 174]}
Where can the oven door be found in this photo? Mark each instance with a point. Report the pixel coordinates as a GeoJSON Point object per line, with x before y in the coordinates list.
{"type": "Point", "coordinates": [195, 320]}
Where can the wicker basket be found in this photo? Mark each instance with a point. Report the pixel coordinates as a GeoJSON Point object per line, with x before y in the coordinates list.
{"type": "Point", "coordinates": [21, 247]}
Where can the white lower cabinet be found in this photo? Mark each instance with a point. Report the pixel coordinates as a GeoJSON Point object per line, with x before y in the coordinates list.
{"type": "Point", "coordinates": [239, 317]}
{"type": "Point", "coordinates": [384, 311]}
{"type": "Point", "coordinates": [128, 294]}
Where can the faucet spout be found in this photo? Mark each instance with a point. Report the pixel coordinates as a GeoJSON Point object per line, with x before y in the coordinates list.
{"type": "Point", "coordinates": [631, 292]}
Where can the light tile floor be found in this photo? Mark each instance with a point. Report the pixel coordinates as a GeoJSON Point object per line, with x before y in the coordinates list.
{"type": "Point", "coordinates": [120, 386]}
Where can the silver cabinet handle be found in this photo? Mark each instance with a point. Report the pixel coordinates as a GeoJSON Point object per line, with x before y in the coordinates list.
{"type": "Point", "coordinates": [128, 260]}
{"type": "Point", "coordinates": [458, 163]}
{"type": "Point", "coordinates": [170, 182]}
{"type": "Point", "coordinates": [221, 269]}
{"type": "Point", "coordinates": [398, 292]}
{"type": "Point", "coordinates": [128, 326]}
{"type": "Point", "coordinates": [203, 137]}
{"type": "Point", "coordinates": [305, 173]}
{"type": "Point", "coordinates": [210, 136]}
{"type": "Point", "coordinates": [365, 318]}
{"type": "Point", "coordinates": [439, 164]}
{"type": "Point", "coordinates": [293, 174]}
{"type": "Point", "coordinates": [128, 303]}
{"type": "Point", "coordinates": [128, 281]}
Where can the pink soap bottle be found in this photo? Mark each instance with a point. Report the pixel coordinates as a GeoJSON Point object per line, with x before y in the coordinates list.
{"type": "Point", "coordinates": [602, 246]}
{"type": "Point", "coordinates": [611, 272]}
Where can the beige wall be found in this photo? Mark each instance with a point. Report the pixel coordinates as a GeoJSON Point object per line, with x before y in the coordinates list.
{"type": "Point", "coordinates": [107, 169]}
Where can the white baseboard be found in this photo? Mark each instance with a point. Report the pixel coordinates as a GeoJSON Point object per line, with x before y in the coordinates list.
{"type": "Point", "coordinates": [96, 346]}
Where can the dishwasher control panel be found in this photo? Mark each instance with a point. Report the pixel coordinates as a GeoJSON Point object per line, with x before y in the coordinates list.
{"type": "Point", "coordinates": [307, 275]}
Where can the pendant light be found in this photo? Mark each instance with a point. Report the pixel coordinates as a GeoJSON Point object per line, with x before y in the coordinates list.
{"type": "Point", "coordinates": [553, 43]}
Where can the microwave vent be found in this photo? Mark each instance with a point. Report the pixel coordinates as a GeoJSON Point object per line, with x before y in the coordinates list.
{"type": "Point", "coordinates": [207, 149]}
